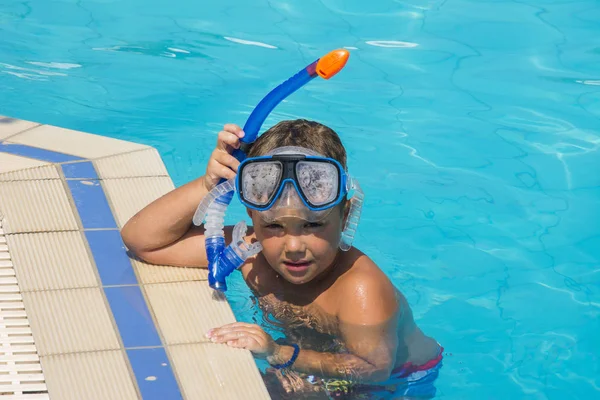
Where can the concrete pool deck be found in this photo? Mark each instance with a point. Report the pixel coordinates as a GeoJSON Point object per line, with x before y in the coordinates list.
{"type": "Point", "coordinates": [79, 318]}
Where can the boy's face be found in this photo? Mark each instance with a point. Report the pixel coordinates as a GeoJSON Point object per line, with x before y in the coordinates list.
{"type": "Point", "coordinates": [299, 250]}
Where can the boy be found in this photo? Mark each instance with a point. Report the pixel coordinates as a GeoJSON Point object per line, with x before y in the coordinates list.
{"type": "Point", "coordinates": [344, 320]}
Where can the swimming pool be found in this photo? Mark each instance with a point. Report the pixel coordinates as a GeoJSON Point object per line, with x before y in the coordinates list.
{"type": "Point", "coordinates": [472, 126]}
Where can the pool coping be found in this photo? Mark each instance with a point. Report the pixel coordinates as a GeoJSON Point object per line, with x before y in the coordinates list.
{"type": "Point", "coordinates": [104, 323]}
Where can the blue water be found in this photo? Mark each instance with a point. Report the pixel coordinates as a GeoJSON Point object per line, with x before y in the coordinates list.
{"type": "Point", "coordinates": [473, 127]}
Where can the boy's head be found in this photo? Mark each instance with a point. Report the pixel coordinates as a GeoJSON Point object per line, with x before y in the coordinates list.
{"type": "Point", "coordinates": [296, 248]}
{"type": "Point", "coordinates": [301, 133]}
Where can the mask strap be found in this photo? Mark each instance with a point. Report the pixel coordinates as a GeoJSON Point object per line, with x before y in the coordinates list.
{"type": "Point", "coordinates": [356, 196]}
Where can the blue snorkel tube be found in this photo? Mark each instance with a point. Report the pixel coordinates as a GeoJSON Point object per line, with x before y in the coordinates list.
{"type": "Point", "coordinates": [223, 261]}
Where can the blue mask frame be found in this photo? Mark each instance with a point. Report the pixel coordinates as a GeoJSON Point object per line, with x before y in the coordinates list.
{"type": "Point", "coordinates": [289, 163]}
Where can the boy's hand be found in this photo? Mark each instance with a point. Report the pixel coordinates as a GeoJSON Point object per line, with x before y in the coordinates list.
{"type": "Point", "coordinates": [298, 383]}
{"type": "Point", "coordinates": [245, 336]}
{"type": "Point", "coordinates": [222, 165]}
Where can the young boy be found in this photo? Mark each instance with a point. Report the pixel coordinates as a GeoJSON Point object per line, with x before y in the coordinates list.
{"type": "Point", "coordinates": [344, 320]}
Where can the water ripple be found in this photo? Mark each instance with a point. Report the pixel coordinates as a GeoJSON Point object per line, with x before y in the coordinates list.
{"type": "Point", "coordinates": [391, 43]}
{"type": "Point", "coordinates": [472, 126]}
{"type": "Point", "coordinates": [250, 42]}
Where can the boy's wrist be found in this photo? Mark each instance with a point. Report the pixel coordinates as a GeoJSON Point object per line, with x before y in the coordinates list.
{"type": "Point", "coordinates": [283, 355]}
{"type": "Point", "coordinates": [280, 352]}
{"type": "Point", "coordinates": [205, 184]}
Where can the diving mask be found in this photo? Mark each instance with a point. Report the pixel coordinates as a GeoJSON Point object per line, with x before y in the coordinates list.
{"type": "Point", "coordinates": [291, 182]}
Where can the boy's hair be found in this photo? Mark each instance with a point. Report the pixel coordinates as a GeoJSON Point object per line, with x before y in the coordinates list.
{"type": "Point", "coordinates": [300, 132]}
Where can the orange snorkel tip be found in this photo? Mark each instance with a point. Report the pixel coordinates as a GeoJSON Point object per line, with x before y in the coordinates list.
{"type": "Point", "coordinates": [332, 63]}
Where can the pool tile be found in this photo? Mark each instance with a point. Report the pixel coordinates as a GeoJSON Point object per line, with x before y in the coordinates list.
{"type": "Point", "coordinates": [95, 375]}
{"type": "Point", "coordinates": [112, 262]}
{"type": "Point", "coordinates": [85, 145]}
{"type": "Point", "coordinates": [51, 261]}
{"type": "Point", "coordinates": [215, 371]}
{"type": "Point", "coordinates": [150, 273]}
{"type": "Point", "coordinates": [132, 316]}
{"type": "Point", "coordinates": [6, 270]}
{"type": "Point", "coordinates": [130, 195]}
{"type": "Point", "coordinates": [79, 170]}
{"type": "Point", "coordinates": [47, 171]}
{"type": "Point", "coordinates": [12, 126]}
{"type": "Point", "coordinates": [185, 311]}
{"type": "Point", "coordinates": [36, 206]}
{"type": "Point", "coordinates": [154, 375]}
{"type": "Point", "coordinates": [71, 320]}
{"type": "Point", "coordinates": [137, 164]}
{"type": "Point", "coordinates": [91, 204]}
{"type": "Point", "coordinates": [10, 162]}
{"type": "Point", "coordinates": [36, 153]}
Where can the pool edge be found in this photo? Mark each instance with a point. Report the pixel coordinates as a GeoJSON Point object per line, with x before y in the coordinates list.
{"type": "Point", "coordinates": [76, 180]}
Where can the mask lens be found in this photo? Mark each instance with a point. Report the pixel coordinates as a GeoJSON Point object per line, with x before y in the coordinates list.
{"type": "Point", "coordinates": [260, 181]}
{"type": "Point", "coordinates": [319, 181]}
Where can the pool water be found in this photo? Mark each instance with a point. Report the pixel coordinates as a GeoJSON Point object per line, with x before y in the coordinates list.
{"type": "Point", "coordinates": [473, 127]}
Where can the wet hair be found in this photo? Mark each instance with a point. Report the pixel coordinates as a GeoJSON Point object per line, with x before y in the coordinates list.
{"type": "Point", "coordinates": [300, 132]}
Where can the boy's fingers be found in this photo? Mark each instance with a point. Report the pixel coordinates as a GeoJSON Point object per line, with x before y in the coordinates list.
{"type": "Point", "coordinates": [226, 159]}
{"type": "Point", "coordinates": [225, 172]}
{"type": "Point", "coordinates": [246, 331]}
{"type": "Point", "coordinates": [227, 138]}
{"type": "Point", "coordinates": [227, 328]}
{"type": "Point", "coordinates": [233, 128]}
{"type": "Point", "coordinates": [235, 343]}
{"type": "Point", "coordinates": [285, 383]}
{"type": "Point", "coordinates": [296, 381]}
{"type": "Point", "coordinates": [241, 325]}
{"type": "Point", "coordinates": [250, 330]}
{"type": "Point", "coordinates": [227, 336]}
{"type": "Point", "coordinates": [236, 333]}
{"type": "Point", "coordinates": [218, 170]}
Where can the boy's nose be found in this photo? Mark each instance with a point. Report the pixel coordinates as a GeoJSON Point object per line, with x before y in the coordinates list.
{"type": "Point", "coordinates": [294, 244]}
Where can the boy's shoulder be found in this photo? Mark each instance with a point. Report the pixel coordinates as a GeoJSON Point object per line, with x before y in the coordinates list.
{"type": "Point", "coordinates": [364, 288]}
{"type": "Point", "coordinates": [360, 269]}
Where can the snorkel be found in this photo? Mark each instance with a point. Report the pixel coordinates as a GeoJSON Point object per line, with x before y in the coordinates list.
{"type": "Point", "coordinates": [222, 261]}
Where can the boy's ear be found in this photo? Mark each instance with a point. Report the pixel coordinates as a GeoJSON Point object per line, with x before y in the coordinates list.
{"type": "Point", "coordinates": [249, 212]}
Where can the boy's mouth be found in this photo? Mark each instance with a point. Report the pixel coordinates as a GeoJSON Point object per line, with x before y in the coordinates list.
{"type": "Point", "coordinates": [297, 266]}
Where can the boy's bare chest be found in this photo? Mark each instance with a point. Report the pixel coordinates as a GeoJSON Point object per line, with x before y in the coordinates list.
{"type": "Point", "coordinates": [296, 316]}
{"type": "Point", "coordinates": [292, 306]}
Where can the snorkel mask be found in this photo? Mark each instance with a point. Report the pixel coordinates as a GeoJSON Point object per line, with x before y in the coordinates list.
{"type": "Point", "coordinates": [288, 182]}
{"type": "Point", "coordinates": [291, 182]}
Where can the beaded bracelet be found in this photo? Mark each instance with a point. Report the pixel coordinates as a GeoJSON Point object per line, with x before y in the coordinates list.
{"type": "Point", "coordinates": [291, 360]}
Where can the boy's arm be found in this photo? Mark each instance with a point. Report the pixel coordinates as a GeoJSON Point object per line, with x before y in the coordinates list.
{"type": "Point", "coordinates": [369, 317]}
{"type": "Point", "coordinates": [162, 232]}
{"type": "Point", "coordinates": [369, 327]}
{"type": "Point", "coordinates": [374, 365]}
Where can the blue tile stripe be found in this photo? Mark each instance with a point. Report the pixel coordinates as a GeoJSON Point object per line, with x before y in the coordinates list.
{"type": "Point", "coordinates": [153, 373]}
{"type": "Point", "coordinates": [39, 154]}
{"type": "Point", "coordinates": [132, 316]}
{"type": "Point", "coordinates": [111, 258]}
{"type": "Point", "coordinates": [80, 170]}
{"type": "Point", "coordinates": [144, 348]}
{"type": "Point", "coordinates": [91, 204]}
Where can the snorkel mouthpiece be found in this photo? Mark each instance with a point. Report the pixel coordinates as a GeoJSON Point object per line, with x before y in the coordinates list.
{"type": "Point", "coordinates": [232, 257]}
{"type": "Point", "coordinates": [222, 261]}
